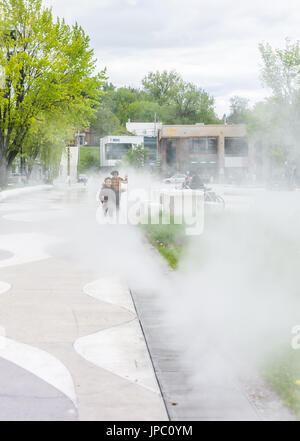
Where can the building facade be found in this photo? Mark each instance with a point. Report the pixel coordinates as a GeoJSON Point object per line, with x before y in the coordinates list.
{"type": "Point", "coordinates": [216, 152]}
{"type": "Point", "coordinates": [87, 137]}
{"type": "Point", "coordinates": [91, 138]}
{"type": "Point", "coordinates": [113, 148]}
{"type": "Point", "coordinates": [149, 131]}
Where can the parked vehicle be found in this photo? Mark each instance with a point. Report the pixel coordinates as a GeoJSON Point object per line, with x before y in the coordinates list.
{"type": "Point", "coordinates": [83, 178]}
{"type": "Point", "coordinates": [175, 179]}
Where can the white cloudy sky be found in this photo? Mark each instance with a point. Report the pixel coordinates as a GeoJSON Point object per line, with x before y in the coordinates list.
{"type": "Point", "coordinates": [212, 43]}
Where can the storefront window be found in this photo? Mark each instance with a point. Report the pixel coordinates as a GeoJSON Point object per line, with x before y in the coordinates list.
{"type": "Point", "coordinates": [236, 146]}
{"type": "Point", "coordinates": [116, 151]}
{"type": "Point", "coordinates": [203, 146]}
{"type": "Point", "coordinates": [151, 144]}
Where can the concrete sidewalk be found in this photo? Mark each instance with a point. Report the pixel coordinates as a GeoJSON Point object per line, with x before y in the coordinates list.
{"type": "Point", "coordinates": [100, 368]}
{"type": "Point", "coordinates": [15, 192]}
{"type": "Point", "coordinates": [74, 332]}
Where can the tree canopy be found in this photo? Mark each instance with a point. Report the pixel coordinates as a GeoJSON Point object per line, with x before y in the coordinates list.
{"type": "Point", "coordinates": [164, 96]}
{"type": "Point", "coordinates": [48, 68]}
{"type": "Point", "coordinates": [239, 110]}
{"type": "Point", "coordinates": [274, 124]}
{"type": "Point", "coordinates": [162, 87]}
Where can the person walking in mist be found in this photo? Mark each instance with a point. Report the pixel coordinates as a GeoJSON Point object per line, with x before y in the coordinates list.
{"type": "Point", "coordinates": [116, 181]}
{"type": "Point", "coordinates": [196, 182]}
{"type": "Point", "coordinates": [187, 182]}
{"type": "Point", "coordinates": [107, 198]}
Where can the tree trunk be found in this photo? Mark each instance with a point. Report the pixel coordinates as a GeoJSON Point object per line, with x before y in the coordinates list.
{"type": "Point", "coordinates": [28, 171]}
{"type": "Point", "coordinates": [3, 174]}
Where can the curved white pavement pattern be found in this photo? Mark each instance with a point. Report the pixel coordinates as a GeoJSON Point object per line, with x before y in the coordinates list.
{"type": "Point", "coordinates": [122, 351]}
{"type": "Point", "coordinates": [4, 287]}
{"type": "Point", "coordinates": [28, 398]}
{"type": "Point", "coordinates": [24, 247]}
{"type": "Point", "coordinates": [48, 311]}
{"type": "Point", "coordinates": [39, 363]}
{"type": "Point", "coordinates": [111, 291]}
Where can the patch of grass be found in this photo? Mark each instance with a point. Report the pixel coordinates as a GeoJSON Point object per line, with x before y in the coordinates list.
{"type": "Point", "coordinates": [89, 158]}
{"type": "Point", "coordinates": [95, 151]}
{"type": "Point", "coordinates": [171, 254]}
{"type": "Point", "coordinates": [169, 240]}
{"type": "Point", "coordinates": [282, 372]}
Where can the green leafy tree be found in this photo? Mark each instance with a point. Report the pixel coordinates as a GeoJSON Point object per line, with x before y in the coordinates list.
{"type": "Point", "coordinates": [193, 105]}
{"type": "Point", "coordinates": [164, 96]}
{"type": "Point", "coordinates": [120, 105]}
{"type": "Point", "coordinates": [45, 142]}
{"type": "Point", "coordinates": [281, 70]}
{"type": "Point", "coordinates": [136, 157]}
{"type": "Point", "coordinates": [48, 67]}
{"type": "Point", "coordinates": [118, 102]}
{"type": "Point", "coordinates": [162, 87]}
{"type": "Point", "coordinates": [181, 102]}
{"type": "Point", "coordinates": [107, 123]}
{"type": "Point", "coordinates": [281, 74]}
{"type": "Point", "coordinates": [239, 110]}
{"type": "Point", "coordinates": [265, 129]}
{"type": "Point", "coordinates": [144, 111]}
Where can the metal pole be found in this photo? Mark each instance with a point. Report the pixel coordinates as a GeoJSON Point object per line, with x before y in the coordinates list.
{"type": "Point", "coordinates": [21, 164]}
{"type": "Point", "coordinates": [69, 165]}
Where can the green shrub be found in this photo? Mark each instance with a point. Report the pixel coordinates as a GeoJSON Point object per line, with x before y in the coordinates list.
{"type": "Point", "coordinates": [89, 159]}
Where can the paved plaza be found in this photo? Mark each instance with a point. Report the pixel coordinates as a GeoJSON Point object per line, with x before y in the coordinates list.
{"type": "Point", "coordinates": [82, 321]}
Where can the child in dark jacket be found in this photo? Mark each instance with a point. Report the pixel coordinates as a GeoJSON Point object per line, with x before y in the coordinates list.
{"type": "Point", "coordinates": [107, 197]}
